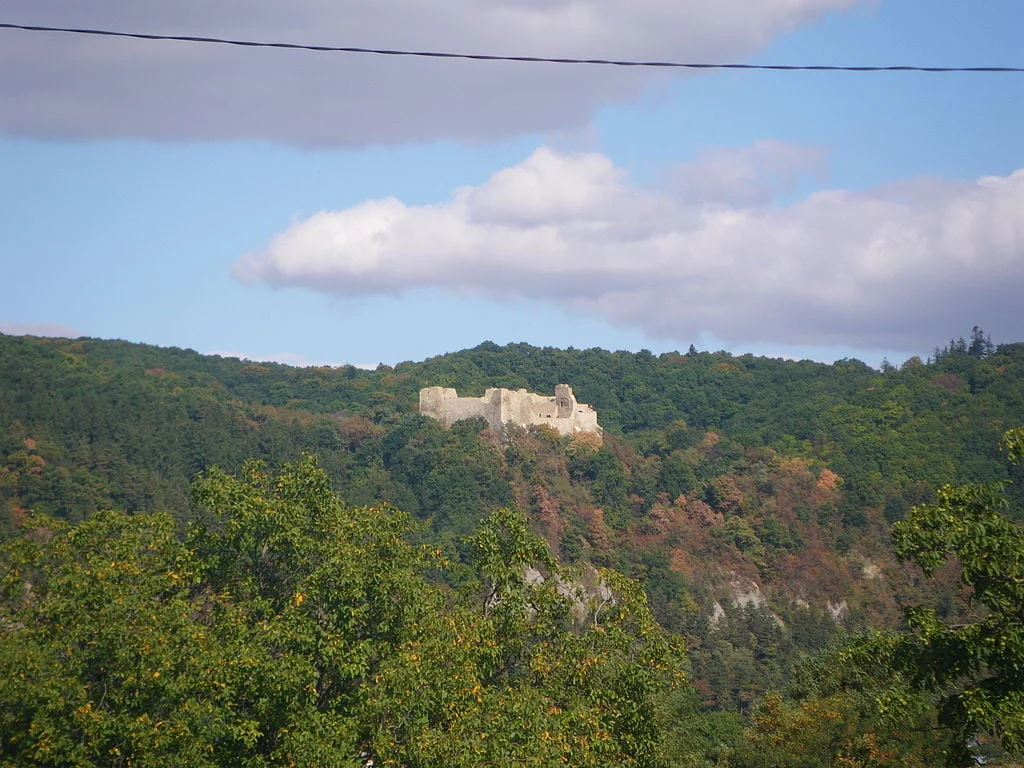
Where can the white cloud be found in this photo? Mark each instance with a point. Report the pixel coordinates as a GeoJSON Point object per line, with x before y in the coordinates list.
{"type": "Point", "coordinates": [894, 267]}
{"type": "Point", "coordinates": [747, 175]}
{"type": "Point", "coordinates": [40, 329]}
{"type": "Point", "coordinates": [78, 87]}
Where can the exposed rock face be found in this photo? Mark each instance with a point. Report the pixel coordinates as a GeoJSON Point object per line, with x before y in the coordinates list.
{"type": "Point", "coordinates": [500, 406]}
{"type": "Point", "coordinates": [744, 593]}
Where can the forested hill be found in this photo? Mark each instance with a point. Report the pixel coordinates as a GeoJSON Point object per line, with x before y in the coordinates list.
{"type": "Point", "coordinates": [108, 423]}
{"type": "Point", "coordinates": [764, 486]}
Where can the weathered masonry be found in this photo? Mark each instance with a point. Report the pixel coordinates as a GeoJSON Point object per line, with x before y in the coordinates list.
{"type": "Point", "coordinates": [500, 406]}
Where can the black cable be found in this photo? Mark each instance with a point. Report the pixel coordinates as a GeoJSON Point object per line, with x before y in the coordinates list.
{"type": "Point", "coordinates": [489, 57]}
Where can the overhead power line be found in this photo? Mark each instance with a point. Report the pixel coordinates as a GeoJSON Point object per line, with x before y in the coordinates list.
{"type": "Point", "coordinates": [492, 57]}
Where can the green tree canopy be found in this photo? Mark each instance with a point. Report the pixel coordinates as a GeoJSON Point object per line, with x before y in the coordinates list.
{"type": "Point", "coordinates": [975, 668]}
{"type": "Point", "coordinates": [293, 630]}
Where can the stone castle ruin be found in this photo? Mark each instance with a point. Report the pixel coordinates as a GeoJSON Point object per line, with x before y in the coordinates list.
{"type": "Point", "coordinates": [500, 406]}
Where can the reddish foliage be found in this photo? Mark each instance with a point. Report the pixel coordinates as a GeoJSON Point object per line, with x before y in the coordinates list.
{"type": "Point", "coordinates": [703, 514]}
{"type": "Point", "coordinates": [548, 515]}
{"type": "Point", "coordinates": [353, 430]}
{"type": "Point", "coordinates": [948, 381]}
{"type": "Point", "coordinates": [597, 530]}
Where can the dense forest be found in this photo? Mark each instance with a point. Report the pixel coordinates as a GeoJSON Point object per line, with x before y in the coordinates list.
{"type": "Point", "coordinates": [753, 500]}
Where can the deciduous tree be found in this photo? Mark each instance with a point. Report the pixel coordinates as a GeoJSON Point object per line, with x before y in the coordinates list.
{"type": "Point", "coordinates": [976, 668]}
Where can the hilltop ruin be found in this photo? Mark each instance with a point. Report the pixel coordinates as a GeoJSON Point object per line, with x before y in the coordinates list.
{"type": "Point", "coordinates": [501, 406]}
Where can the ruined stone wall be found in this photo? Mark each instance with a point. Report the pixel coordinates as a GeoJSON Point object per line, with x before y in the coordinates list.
{"type": "Point", "coordinates": [500, 406]}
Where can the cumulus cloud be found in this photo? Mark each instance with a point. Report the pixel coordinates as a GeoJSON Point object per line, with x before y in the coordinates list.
{"type": "Point", "coordinates": [78, 87]}
{"type": "Point", "coordinates": [889, 267]}
{"type": "Point", "coordinates": [747, 175]}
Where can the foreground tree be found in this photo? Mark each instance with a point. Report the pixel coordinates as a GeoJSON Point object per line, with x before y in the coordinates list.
{"type": "Point", "coordinates": [293, 630]}
{"type": "Point", "coordinates": [245, 644]}
{"type": "Point", "coordinates": [101, 658]}
{"type": "Point", "coordinates": [830, 717]}
{"type": "Point", "coordinates": [975, 669]}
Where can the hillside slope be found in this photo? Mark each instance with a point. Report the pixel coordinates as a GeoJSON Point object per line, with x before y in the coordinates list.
{"type": "Point", "coordinates": [753, 496]}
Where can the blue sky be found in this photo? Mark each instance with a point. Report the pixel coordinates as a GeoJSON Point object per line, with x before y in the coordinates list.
{"type": "Point", "coordinates": [322, 208]}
